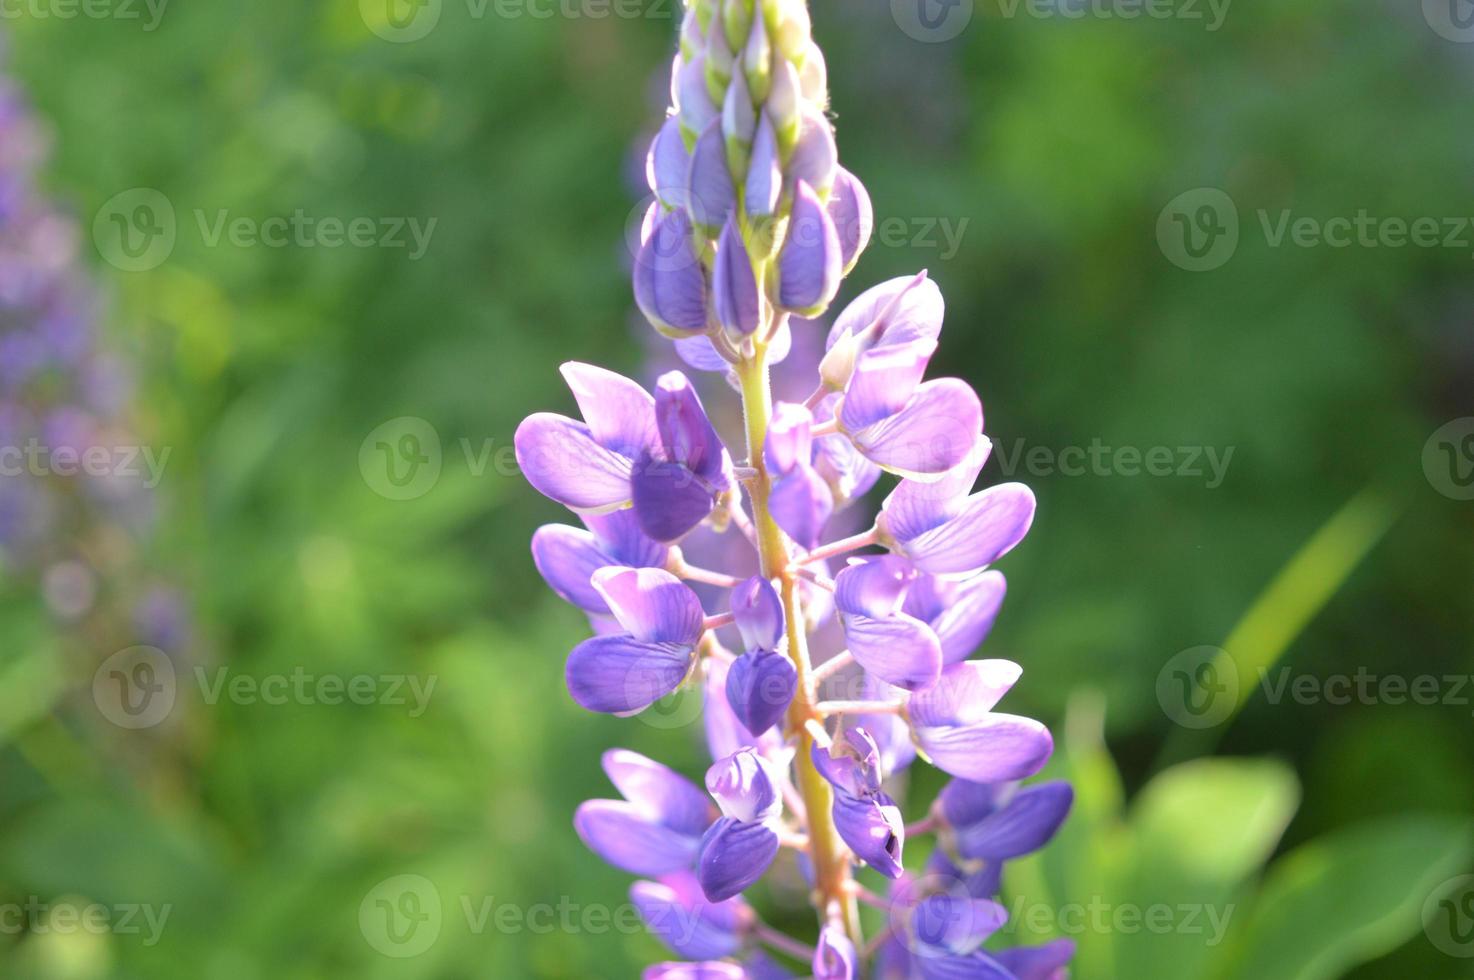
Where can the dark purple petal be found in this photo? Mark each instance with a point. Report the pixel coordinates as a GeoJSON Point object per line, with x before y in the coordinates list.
{"type": "Point", "coordinates": [733, 856]}
{"type": "Point", "coordinates": [670, 284]}
{"type": "Point", "coordinates": [724, 733]}
{"type": "Point", "coordinates": [668, 165]}
{"type": "Point", "coordinates": [884, 382]}
{"type": "Point", "coordinates": [834, 956]}
{"type": "Point", "coordinates": [955, 924]}
{"type": "Point", "coordinates": [617, 674]}
{"type": "Point", "coordinates": [988, 527]}
{"type": "Point", "coordinates": [810, 265]}
{"type": "Point", "coordinates": [651, 604]}
{"type": "Point", "coordinates": [996, 748]}
{"type": "Point", "coordinates": [962, 803]}
{"type": "Point", "coordinates": [628, 837]}
{"type": "Point", "coordinates": [815, 157]}
{"type": "Point", "coordinates": [670, 500]}
{"type": "Point", "coordinates": [567, 558]}
{"type": "Point", "coordinates": [1045, 962]}
{"type": "Point", "coordinates": [619, 413]}
{"type": "Point", "coordinates": [734, 285]}
{"type": "Point", "coordinates": [744, 787]}
{"type": "Point", "coordinates": [686, 434]}
{"type": "Point", "coordinates": [936, 431]}
{"type": "Point", "coordinates": [563, 461]}
{"type": "Point", "coordinates": [873, 829]}
{"type": "Point", "coordinates": [659, 790]}
{"type": "Point", "coordinates": [712, 194]}
{"type": "Point", "coordinates": [679, 914]}
{"type": "Point", "coordinates": [759, 614]}
{"type": "Point", "coordinates": [1021, 826]}
{"type": "Point", "coordinates": [764, 173]}
{"type": "Point", "coordinates": [619, 534]}
{"type": "Point", "coordinates": [760, 686]}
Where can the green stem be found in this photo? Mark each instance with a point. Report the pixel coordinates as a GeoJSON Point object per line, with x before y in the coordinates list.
{"type": "Point", "coordinates": [830, 857]}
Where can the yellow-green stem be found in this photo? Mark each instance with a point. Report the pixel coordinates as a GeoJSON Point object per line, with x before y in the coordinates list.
{"type": "Point", "coordinates": [830, 857]}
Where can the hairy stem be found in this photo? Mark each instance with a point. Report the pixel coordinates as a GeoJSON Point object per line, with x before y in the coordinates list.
{"type": "Point", "coordinates": [830, 857]}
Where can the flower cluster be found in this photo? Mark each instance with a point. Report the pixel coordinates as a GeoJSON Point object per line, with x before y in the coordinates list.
{"type": "Point", "coordinates": [72, 494]}
{"type": "Point", "coordinates": [753, 226]}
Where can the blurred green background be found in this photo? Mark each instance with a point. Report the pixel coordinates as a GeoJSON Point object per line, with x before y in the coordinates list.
{"type": "Point", "coordinates": [1054, 148]}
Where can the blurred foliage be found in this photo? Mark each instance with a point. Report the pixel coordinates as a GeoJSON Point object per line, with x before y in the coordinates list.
{"type": "Point", "coordinates": [1057, 141]}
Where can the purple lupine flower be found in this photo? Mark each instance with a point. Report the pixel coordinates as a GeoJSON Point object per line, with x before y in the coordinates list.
{"type": "Point", "coordinates": [680, 915]}
{"type": "Point", "coordinates": [761, 683]}
{"type": "Point", "coordinates": [959, 733]}
{"type": "Point", "coordinates": [656, 829]}
{"type": "Point", "coordinates": [753, 225]}
{"type": "Point", "coordinates": [662, 621]}
{"type": "Point", "coordinates": [867, 819]}
{"type": "Point", "coordinates": [738, 848]}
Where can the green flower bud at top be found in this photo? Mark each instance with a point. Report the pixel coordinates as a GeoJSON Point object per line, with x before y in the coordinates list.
{"type": "Point", "coordinates": [793, 29]}
{"type": "Point", "coordinates": [737, 18]}
{"type": "Point", "coordinates": [719, 61]}
{"type": "Point", "coordinates": [705, 12]}
{"type": "Point", "coordinates": [783, 104]}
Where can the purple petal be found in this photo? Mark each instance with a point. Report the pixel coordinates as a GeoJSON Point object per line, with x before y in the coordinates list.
{"type": "Point", "coordinates": [699, 353]}
{"type": "Point", "coordinates": [659, 791]}
{"type": "Point", "coordinates": [764, 176]}
{"type": "Point", "coordinates": [965, 693]}
{"type": "Point", "coordinates": [1045, 962]}
{"type": "Point", "coordinates": [713, 195]}
{"type": "Point", "coordinates": [760, 686]}
{"type": "Point", "coordinates": [834, 956]}
{"type": "Point", "coordinates": [884, 382]}
{"type": "Point", "coordinates": [874, 830]}
{"type": "Point", "coordinates": [619, 413]}
{"type": "Point", "coordinates": [876, 587]}
{"type": "Point", "coordinates": [891, 733]}
{"type": "Point", "coordinates": [989, 525]}
{"type": "Point", "coordinates": [801, 503]}
{"type": "Point", "coordinates": [815, 157]}
{"type": "Point", "coordinates": [685, 431]}
{"type": "Point", "coordinates": [563, 461]}
{"type": "Point", "coordinates": [916, 506]}
{"type": "Point", "coordinates": [695, 106]}
{"type": "Point", "coordinates": [739, 119]}
{"type": "Point", "coordinates": [759, 614]}
{"type": "Point", "coordinates": [715, 970]}
{"type": "Point", "coordinates": [853, 216]}
{"type": "Point", "coordinates": [744, 787]}
{"type": "Point", "coordinates": [670, 500]}
{"type": "Point", "coordinates": [734, 286]}
{"type": "Point", "coordinates": [899, 650]}
{"type": "Point", "coordinates": [670, 284]}
{"type": "Point", "coordinates": [1021, 826]}
{"type": "Point", "coordinates": [936, 431]}
{"type": "Point", "coordinates": [567, 558]}
{"type": "Point", "coordinates": [724, 733]}
{"type": "Point", "coordinates": [679, 915]}
{"type": "Point", "coordinates": [668, 165]}
{"type": "Point", "coordinates": [810, 265]}
{"type": "Point", "coordinates": [619, 534]}
{"type": "Point", "coordinates": [789, 442]}
{"type": "Point", "coordinates": [895, 312]}
{"type": "Point", "coordinates": [652, 604]}
{"type": "Point", "coordinates": [997, 748]}
{"type": "Point", "coordinates": [617, 674]}
{"type": "Point", "coordinates": [733, 856]}
{"type": "Point", "coordinates": [955, 924]}
{"type": "Point", "coordinates": [960, 613]}
{"type": "Point", "coordinates": [975, 966]}
{"type": "Point", "coordinates": [625, 835]}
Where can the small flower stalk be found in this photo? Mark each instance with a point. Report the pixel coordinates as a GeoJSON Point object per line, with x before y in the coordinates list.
{"type": "Point", "coordinates": [753, 226]}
